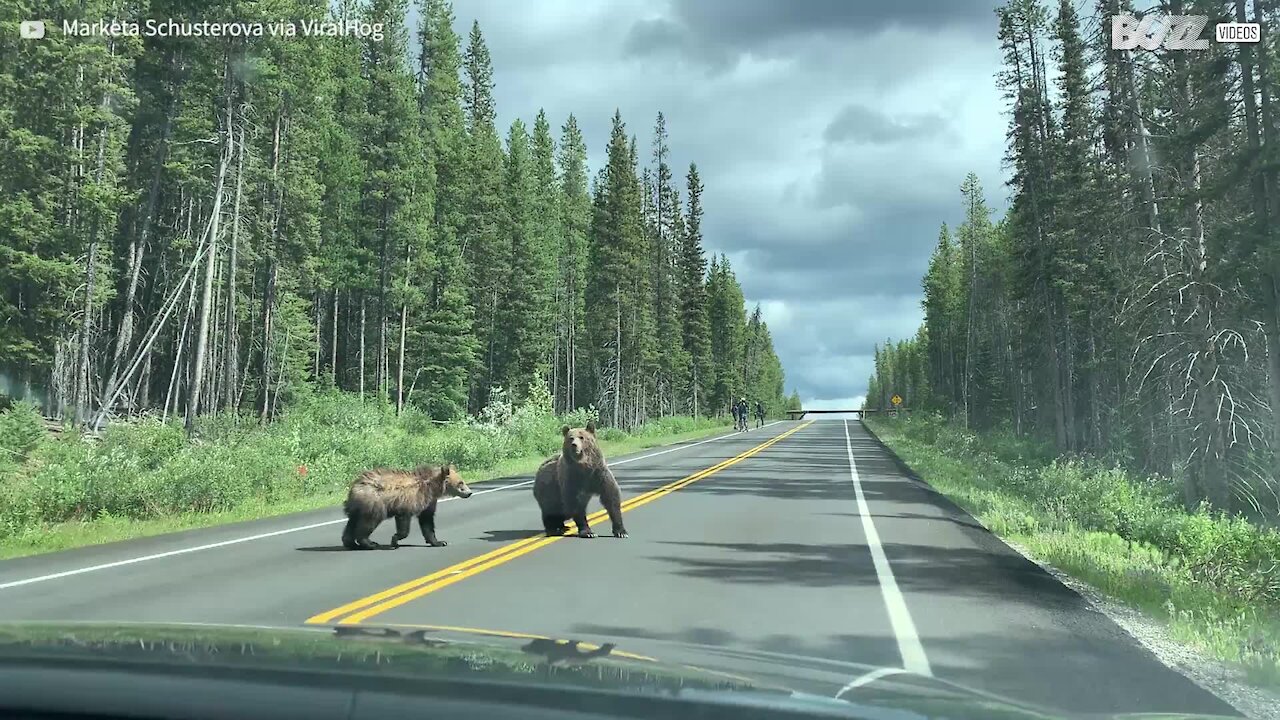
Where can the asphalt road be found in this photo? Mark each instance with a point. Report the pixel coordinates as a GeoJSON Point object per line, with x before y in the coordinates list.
{"type": "Point", "coordinates": [802, 543]}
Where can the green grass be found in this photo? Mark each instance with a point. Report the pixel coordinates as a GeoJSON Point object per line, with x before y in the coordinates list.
{"type": "Point", "coordinates": [1213, 580]}
{"type": "Point", "coordinates": [146, 478]}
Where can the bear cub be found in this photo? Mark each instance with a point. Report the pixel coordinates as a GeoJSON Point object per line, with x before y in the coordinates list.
{"type": "Point", "coordinates": [382, 492]}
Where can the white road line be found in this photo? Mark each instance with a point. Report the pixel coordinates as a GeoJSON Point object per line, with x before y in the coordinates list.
{"type": "Point", "coordinates": [151, 625]}
{"type": "Point", "coordinates": [682, 447]}
{"type": "Point", "coordinates": [300, 528]}
{"type": "Point", "coordinates": [913, 657]}
{"type": "Point", "coordinates": [867, 679]}
{"type": "Point", "coordinates": [157, 556]}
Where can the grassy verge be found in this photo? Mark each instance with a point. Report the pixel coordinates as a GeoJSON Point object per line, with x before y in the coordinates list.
{"type": "Point", "coordinates": [1214, 581]}
{"type": "Point", "coordinates": [146, 479]}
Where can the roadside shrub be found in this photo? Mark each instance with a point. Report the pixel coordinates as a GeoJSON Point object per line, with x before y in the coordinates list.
{"type": "Point", "coordinates": [337, 409]}
{"type": "Point", "coordinates": [675, 425]}
{"type": "Point", "coordinates": [147, 444]}
{"type": "Point", "coordinates": [1165, 547]}
{"type": "Point", "coordinates": [21, 430]}
{"type": "Point", "coordinates": [147, 469]}
{"type": "Point", "coordinates": [610, 434]}
{"type": "Point", "coordinates": [581, 416]}
{"type": "Point", "coordinates": [464, 449]}
{"type": "Point", "coordinates": [416, 421]}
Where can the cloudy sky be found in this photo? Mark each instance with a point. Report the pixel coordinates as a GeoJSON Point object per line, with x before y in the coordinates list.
{"type": "Point", "coordinates": [831, 135]}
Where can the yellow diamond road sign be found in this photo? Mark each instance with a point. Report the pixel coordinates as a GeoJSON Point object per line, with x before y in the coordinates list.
{"type": "Point", "coordinates": [896, 400]}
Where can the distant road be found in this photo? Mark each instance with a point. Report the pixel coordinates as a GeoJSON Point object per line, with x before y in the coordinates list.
{"type": "Point", "coordinates": [802, 540]}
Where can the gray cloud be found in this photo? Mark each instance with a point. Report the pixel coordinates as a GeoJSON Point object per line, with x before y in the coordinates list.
{"type": "Point", "coordinates": [714, 30]}
{"type": "Point", "coordinates": [656, 35]}
{"type": "Point", "coordinates": [663, 37]}
{"type": "Point", "coordinates": [832, 138]}
{"type": "Point", "coordinates": [748, 21]}
{"type": "Point", "coordinates": [859, 123]}
{"type": "Point", "coordinates": [827, 347]}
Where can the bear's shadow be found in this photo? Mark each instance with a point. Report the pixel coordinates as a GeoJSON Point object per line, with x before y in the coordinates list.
{"type": "Point", "coordinates": [339, 548]}
{"type": "Point", "coordinates": [508, 535]}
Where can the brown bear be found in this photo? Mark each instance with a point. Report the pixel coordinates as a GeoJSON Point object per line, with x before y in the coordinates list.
{"type": "Point", "coordinates": [565, 483]}
{"type": "Point", "coordinates": [382, 492]}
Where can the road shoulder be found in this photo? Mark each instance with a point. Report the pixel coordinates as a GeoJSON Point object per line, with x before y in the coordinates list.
{"type": "Point", "coordinates": [1225, 682]}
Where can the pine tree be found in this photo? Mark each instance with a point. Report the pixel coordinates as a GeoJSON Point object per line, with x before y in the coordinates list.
{"type": "Point", "coordinates": [446, 335]}
{"type": "Point", "coordinates": [725, 311]}
{"type": "Point", "coordinates": [218, 224]}
{"type": "Point", "coordinates": [341, 164]}
{"type": "Point", "coordinates": [524, 311]}
{"type": "Point", "coordinates": [695, 331]}
{"type": "Point", "coordinates": [397, 199]}
{"type": "Point", "coordinates": [793, 401]}
{"type": "Point", "coordinates": [615, 280]}
{"type": "Point", "coordinates": [484, 219]}
{"type": "Point", "coordinates": [763, 373]}
{"type": "Point", "coordinates": [939, 304]}
{"type": "Point", "coordinates": [639, 252]}
{"type": "Point", "coordinates": [977, 394]}
{"type": "Point", "coordinates": [575, 218]}
{"type": "Point", "coordinates": [548, 234]}
{"type": "Point", "coordinates": [62, 140]}
{"type": "Point", "coordinates": [1095, 315]}
{"type": "Point", "coordinates": [664, 200]}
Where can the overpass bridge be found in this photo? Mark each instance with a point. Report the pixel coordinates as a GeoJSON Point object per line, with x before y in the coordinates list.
{"type": "Point", "coordinates": [800, 414]}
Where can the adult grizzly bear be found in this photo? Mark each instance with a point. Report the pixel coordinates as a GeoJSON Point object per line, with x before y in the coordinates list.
{"type": "Point", "coordinates": [382, 492]}
{"type": "Point", "coordinates": [565, 483]}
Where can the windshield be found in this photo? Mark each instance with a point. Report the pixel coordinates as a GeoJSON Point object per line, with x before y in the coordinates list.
{"type": "Point", "coordinates": [845, 351]}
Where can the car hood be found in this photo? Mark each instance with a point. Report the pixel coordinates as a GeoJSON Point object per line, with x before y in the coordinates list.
{"type": "Point", "coordinates": [691, 672]}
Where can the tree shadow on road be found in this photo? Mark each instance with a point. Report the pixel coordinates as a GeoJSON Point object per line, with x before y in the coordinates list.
{"type": "Point", "coordinates": [760, 483]}
{"type": "Point", "coordinates": [915, 516]}
{"type": "Point", "coordinates": [823, 565]}
{"type": "Point", "coordinates": [993, 572]}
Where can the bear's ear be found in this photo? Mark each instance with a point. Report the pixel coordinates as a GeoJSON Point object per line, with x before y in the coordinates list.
{"type": "Point", "coordinates": [591, 427]}
{"type": "Point", "coordinates": [564, 430]}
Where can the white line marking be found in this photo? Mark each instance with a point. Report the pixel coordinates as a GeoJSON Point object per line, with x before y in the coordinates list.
{"type": "Point", "coordinates": [151, 624]}
{"type": "Point", "coordinates": [312, 526]}
{"type": "Point", "coordinates": [913, 657]}
{"type": "Point", "coordinates": [869, 678]}
{"type": "Point", "coordinates": [682, 447]}
{"type": "Point", "coordinates": [157, 556]}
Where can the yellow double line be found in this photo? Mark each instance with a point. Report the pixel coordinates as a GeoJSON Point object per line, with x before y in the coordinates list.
{"type": "Point", "coordinates": [366, 607]}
